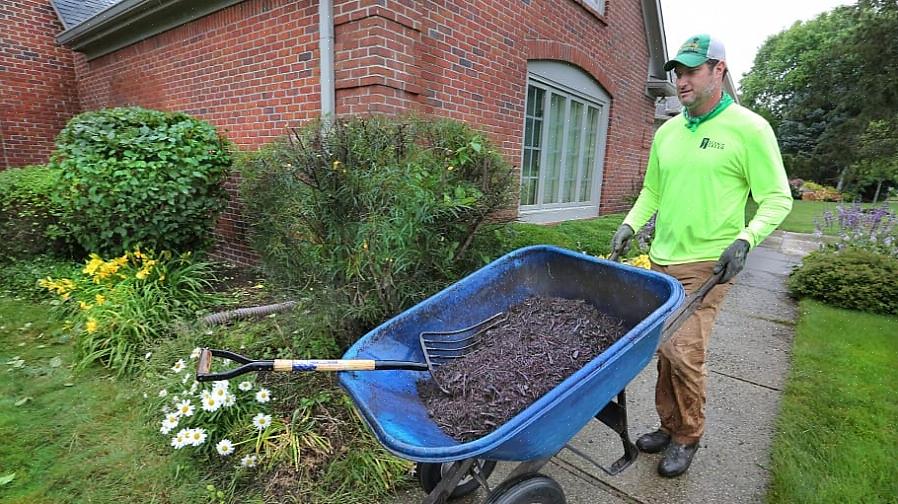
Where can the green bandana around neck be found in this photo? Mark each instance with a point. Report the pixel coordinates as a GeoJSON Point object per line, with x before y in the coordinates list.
{"type": "Point", "coordinates": [692, 122]}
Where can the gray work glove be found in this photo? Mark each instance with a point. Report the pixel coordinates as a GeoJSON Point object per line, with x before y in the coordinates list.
{"type": "Point", "coordinates": [732, 260]}
{"type": "Point", "coordinates": [621, 241]}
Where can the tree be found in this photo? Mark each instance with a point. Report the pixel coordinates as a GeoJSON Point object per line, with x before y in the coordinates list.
{"type": "Point", "coordinates": [878, 151]}
{"type": "Point", "coordinates": [820, 83]}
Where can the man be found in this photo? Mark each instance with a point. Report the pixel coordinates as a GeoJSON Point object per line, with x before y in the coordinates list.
{"type": "Point", "coordinates": [702, 165]}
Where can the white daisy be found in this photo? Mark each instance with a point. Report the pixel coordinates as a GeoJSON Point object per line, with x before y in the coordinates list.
{"type": "Point", "coordinates": [180, 439]}
{"type": "Point", "coordinates": [179, 366]}
{"type": "Point", "coordinates": [211, 403]}
{"type": "Point", "coordinates": [225, 447]}
{"type": "Point", "coordinates": [163, 393]}
{"type": "Point", "coordinates": [170, 422]}
{"type": "Point", "coordinates": [230, 400]}
{"type": "Point", "coordinates": [245, 385]}
{"type": "Point", "coordinates": [223, 384]}
{"type": "Point", "coordinates": [196, 437]}
{"type": "Point", "coordinates": [220, 393]}
{"type": "Point", "coordinates": [185, 408]}
{"type": "Point", "coordinates": [195, 386]}
{"type": "Point", "coordinates": [186, 377]}
{"type": "Point", "coordinates": [261, 421]}
{"type": "Point", "coordinates": [195, 354]}
{"type": "Point", "coordinates": [248, 461]}
{"type": "Point", "coordinates": [148, 355]}
{"type": "Point", "coordinates": [263, 395]}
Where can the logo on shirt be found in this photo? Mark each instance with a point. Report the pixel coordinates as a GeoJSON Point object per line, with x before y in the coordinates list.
{"type": "Point", "coordinates": [707, 143]}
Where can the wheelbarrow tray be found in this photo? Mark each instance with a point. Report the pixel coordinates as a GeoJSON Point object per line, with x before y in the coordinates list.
{"type": "Point", "coordinates": [389, 400]}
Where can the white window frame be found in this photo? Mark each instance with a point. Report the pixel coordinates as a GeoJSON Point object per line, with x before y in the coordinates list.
{"type": "Point", "coordinates": [572, 83]}
{"type": "Point", "coordinates": [596, 5]}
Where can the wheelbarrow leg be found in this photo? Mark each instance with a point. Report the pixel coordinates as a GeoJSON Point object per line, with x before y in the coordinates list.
{"type": "Point", "coordinates": [614, 415]}
{"type": "Point", "coordinates": [444, 488]}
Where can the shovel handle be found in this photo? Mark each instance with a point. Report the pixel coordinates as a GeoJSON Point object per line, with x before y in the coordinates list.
{"type": "Point", "coordinates": [204, 366]}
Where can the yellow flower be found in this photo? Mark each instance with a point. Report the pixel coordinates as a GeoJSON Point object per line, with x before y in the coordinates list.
{"type": "Point", "coordinates": [91, 326]}
{"type": "Point", "coordinates": [92, 265]}
{"type": "Point", "coordinates": [450, 167]}
{"type": "Point", "coordinates": [337, 165]}
{"type": "Point", "coordinates": [100, 299]}
{"type": "Point", "coordinates": [84, 306]}
{"type": "Point", "coordinates": [143, 274]}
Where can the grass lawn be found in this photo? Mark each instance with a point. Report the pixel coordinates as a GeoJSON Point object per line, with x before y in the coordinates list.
{"type": "Point", "coordinates": [837, 433]}
{"type": "Point", "coordinates": [72, 437]}
{"type": "Point", "coordinates": [801, 219]}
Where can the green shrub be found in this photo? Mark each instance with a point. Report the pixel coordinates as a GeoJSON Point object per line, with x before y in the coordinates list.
{"type": "Point", "coordinates": [590, 236]}
{"type": "Point", "coordinates": [849, 278]}
{"type": "Point", "coordinates": [119, 308]}
{"type": "Point", "coordinates": [381, 211]}
{"type": "Point", "coordinates": [19, 278]}
{"type": "Point", "coordinates": [131, 176]}
{"type": "Point", "coordinates": [26, 211]}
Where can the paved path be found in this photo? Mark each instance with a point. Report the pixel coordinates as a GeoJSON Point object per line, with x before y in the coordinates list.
{"type": "Point", "coordinates": [748, 363]}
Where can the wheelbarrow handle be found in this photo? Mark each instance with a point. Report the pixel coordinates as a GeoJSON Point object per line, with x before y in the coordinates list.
{"type": "Point", "coordinates": [293, 365]}
{"type": "Point", "coordinates": [689, 306]}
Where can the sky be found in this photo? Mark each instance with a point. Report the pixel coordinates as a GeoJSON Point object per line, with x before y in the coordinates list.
{"type": "Point", "coordinates": [743, 26]}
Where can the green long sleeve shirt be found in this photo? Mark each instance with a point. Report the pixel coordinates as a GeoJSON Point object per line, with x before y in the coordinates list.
{"type": "Point", "coordinates": [698, 182]}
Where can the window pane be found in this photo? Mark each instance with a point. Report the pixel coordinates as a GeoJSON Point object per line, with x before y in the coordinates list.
{"type": "Point", "coordinates": [572, 155]}
{"type": "Point", "coordinates": [532, 139]}
{"type": "Point", "coordinates": [553, 148]}
{"type": "Point", "coordinates": [589, 158]}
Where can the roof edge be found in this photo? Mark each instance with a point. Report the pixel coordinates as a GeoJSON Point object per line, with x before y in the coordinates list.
{"type": "Point", "coordinates": [131, 21]}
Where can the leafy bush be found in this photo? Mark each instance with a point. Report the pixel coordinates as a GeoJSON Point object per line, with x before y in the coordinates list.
{"type": "Point", "coordinates": [26, 211]}
{"type": "Point", "coordinates": [815, 192]}
{"type": "Point", "coordinates": [19, 278]}
{"type": "Point", "coordinates": [116, 309]}
{"type": "Point", "coordinates": [592, 236]}
{"type": "Point", "coordinates": [849, 278]}
{"type": "Point", "coordinates": [382, 211]}
{"type": "Point", "coordinates": [131, 176]}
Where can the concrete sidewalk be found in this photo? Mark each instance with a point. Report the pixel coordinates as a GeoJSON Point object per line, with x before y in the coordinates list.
{"type": "Point", "coordinates": [748, 364]}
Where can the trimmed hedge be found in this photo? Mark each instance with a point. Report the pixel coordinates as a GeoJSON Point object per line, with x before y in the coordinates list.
{"type": "Point", "coordinates": [849, 278]}
{"type": "Point", "coordinates": [26, 211]}
{"type": "Point", "coordinates": [132, 176]}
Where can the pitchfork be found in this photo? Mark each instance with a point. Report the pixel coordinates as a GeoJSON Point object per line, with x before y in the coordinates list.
{"type": "Point", "coordinates": [439, 347]}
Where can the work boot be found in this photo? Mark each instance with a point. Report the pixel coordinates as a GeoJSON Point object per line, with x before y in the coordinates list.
{"type": "Point", "coordinates": [677, 459]}
{"type": "Point", "coordinates": [653, 442]}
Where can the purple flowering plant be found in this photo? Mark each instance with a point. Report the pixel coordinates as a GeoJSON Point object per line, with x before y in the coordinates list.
{"type": "Point", "coordinates": [874, 229]}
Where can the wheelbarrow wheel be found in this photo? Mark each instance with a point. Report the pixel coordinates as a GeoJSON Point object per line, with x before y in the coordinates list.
{"type": "Point", "coordinates": [429, 476]}
{"type": "Point", "coordinates": [528, 489]}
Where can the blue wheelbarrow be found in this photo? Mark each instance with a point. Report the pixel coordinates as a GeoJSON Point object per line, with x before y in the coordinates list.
{"type": "Point", "coordinates": [650, 304]}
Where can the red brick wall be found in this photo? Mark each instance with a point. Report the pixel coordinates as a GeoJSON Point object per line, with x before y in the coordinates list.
{"type": "Point", "coordinates": [252, 70]}
{"type": "Point", "coordinates": [37, 82]}
{"type": "Point", "coordinates": [467, 59]}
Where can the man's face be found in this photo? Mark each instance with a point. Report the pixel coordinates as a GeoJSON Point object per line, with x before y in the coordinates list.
{"type": "Point", "coordinates": [697, 86]}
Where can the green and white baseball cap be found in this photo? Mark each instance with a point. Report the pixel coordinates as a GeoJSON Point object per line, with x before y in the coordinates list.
{"type": "Point", "coordinates": [697, 50]}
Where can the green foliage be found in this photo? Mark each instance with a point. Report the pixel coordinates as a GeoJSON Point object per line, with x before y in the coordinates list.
{"type": "Point", "coordinates": [849, 278]}
{"type": "Point", "coordinates": [878, 151]}
{"type": "Point", "coordinates": [380, 211]}
{"type": "Point", "coordinates": [19, 279]}
{"type": "Point", "coordinates": [131, 176]}
{"type": "Point", "coordinates": [821, 82]}
{"type": "Point", "coordinates": [26, 211]}
{"type": "Point", "coordinates": [836, 435]}
{"type": "Point", "coordinates": [591, 236]}
{"type": "Point", "coordinates": [118, 308]}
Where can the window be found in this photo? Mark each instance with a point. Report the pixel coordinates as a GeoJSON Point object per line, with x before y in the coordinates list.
{"type": "Point", "coordinates": [596, 5]}
{"type": "Point", "coordinates": [564, 138]}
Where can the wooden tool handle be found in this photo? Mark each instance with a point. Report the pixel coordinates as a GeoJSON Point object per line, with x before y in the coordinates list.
{"type": "Point", "coordinates": [288, 365]}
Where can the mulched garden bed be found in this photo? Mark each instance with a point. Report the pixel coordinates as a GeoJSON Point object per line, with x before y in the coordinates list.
{"type": "Point", "coordinates": [542, 342]}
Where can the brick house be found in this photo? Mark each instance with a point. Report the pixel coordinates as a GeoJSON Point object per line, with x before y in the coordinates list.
{"type": "Point", "coordinates": [566, 88]}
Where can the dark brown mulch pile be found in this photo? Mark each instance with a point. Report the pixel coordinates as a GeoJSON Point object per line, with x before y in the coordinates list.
{"type": "Point", "coordinates": [543, 341]}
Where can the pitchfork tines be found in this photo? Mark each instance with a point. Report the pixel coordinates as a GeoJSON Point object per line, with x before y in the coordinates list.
{"type": "Point", "coordinates": [442, 347]}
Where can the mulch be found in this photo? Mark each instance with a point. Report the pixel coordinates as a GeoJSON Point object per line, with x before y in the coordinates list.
{"type": "Point", "coordinates": [542, 342]}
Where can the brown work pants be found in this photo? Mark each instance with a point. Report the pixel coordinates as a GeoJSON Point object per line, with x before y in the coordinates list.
{"type": "Point", "coordinates": [680, 390]}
